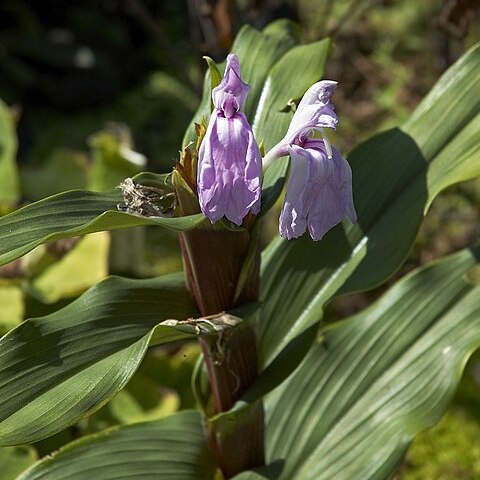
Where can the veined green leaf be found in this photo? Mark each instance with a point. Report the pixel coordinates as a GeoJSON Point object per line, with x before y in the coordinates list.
{"type": "Point", "coordinates": [258, 52]}
{"type": "Point", "coordinates": [395, 176]}
{"type": "Point", "coordinates": [273, 183]}
{"type": "Point", "coordinates": [267, 472]}
{"type": "Point", "coordinates": [75, 213]}
{"type": "Point", "coordinates": [59, 368]}
{"type": "Point", "coordinates": [172, 448]}
{"type": "Point", "coordinates": [215, 76]}
{"type": "Point", "coordinates": [375, 380]}
{"type": "Point", "coordinates": [286, 82]}
{"type": "Point", "coordinates": [450, 166]}
{"type": "Point", "coordinates": [449, 107]}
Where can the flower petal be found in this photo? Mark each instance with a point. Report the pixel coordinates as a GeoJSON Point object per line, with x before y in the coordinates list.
{"type": "Point", "coordinates": [229, 96]}
{"type": "Point", "coordinates": [331, 196]}
{"type": "Point", "coordinates": [293, 218]}
{"type": "Point", "coordinates": [315, 111]}
{"type": "Point", "coordinates": [229, 169]}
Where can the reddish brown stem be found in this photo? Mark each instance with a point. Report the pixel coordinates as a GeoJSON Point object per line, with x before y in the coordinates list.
{"type": "Point", "coordinates": [213, 262]}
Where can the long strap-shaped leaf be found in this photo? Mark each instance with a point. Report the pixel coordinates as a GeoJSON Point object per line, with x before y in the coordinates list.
{"type": "Point", "coordinates": [73, 213]}
{"type": "Point", "coordinates": [395, 177]}
{"type": "Point", "coordinates": [173, 448]}
{"type": "Point", "coordinates": [377, 379]}
{"type": "Point", "coordinates": [58, 368]}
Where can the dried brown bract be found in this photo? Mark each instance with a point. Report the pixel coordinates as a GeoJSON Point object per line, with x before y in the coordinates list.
{"type": "Point", "coordinates": [146, 200]}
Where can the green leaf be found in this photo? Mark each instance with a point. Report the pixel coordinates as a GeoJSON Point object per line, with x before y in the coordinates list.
{"type": "Point", "coordinates": [215, 76]}
{"type": "Point", "coordinates": [273, 183]}
{"type": "Point", "coordinates": [267, 472]}
{"type": "Point", "coordinates": [394, 175]}
{"type": "Point", "coordinates": [377, 379]}
{"type": "Point", "coordinates": [280, 368]}
{"type": "Point", "coordinates": [285, 82]}
{"type": "Point", "coordinates": [13, 460]}
{"type": "Point", "coordinates": [449, 107]}
{"type": "Point", "coordinates": [142, 399]}
{"type": "Point", "coordinates": [258, 52]}
{"type": "Point", "coordinates": [173, 448]}
{"type": "Point", "coordinates": [75, 213]}
{"type": "Point", "coordinates": [9, 182]}
{"type": "Point", "coordinates": [56, 369]}
{"type": "Point", "coordinates": [287, 30]}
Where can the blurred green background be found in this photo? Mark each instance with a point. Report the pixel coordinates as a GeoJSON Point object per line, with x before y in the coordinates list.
{"type": "Point", "coordinates": [97, 90]}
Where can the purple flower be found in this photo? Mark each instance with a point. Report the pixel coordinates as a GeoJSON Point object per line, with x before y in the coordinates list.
{"type": "Point", "coordinates": [319, 188]}
{"type": "Point", "coordinates": [229, 163]}
{"type": "Point", "coordinates": [319, 191]}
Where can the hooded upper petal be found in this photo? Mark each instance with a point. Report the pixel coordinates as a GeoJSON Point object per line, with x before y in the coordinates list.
{"type": "Point", "coordinates": [229, 96]}
{"type": "Point", "coordinates": [229, 169]}
{"type": "Point", "coordinates": [315, 111]}
{"type": "Point", "coordinates": [325, 197]}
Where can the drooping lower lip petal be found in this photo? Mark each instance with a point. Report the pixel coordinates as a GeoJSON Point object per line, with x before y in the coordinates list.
{"type": "Point", "coordinates": [319, 192]}
{"type": "Point", "coordinates": [229, 170]}
{"type": "Point", "coordinates": [293, 217]}
{"type": "Point", "coordinates": [331, 200]}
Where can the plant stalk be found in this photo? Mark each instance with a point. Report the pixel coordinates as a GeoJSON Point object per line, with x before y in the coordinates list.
{"type": "Point", "coordinates": [213, 262]}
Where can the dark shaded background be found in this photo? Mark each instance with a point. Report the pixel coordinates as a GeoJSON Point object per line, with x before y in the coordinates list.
{"type": "Point", "coordinates": [83, 63]}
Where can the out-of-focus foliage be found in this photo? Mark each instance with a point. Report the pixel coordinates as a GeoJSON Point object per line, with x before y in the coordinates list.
{"type": "Point", "coordinates": [9, 188]}
{"type": "Point", "coordinates": [14, 460]}
{"type": "Point", "coordinates": [11, 307]}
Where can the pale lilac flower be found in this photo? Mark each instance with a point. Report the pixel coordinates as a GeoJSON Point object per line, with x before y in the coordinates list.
{"type": "Point", "coordinates": [229, 162]}
{"type": "Point", "coordinates": [319, 191]}
{"type": "Point", "coordinates": [319, 188]}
